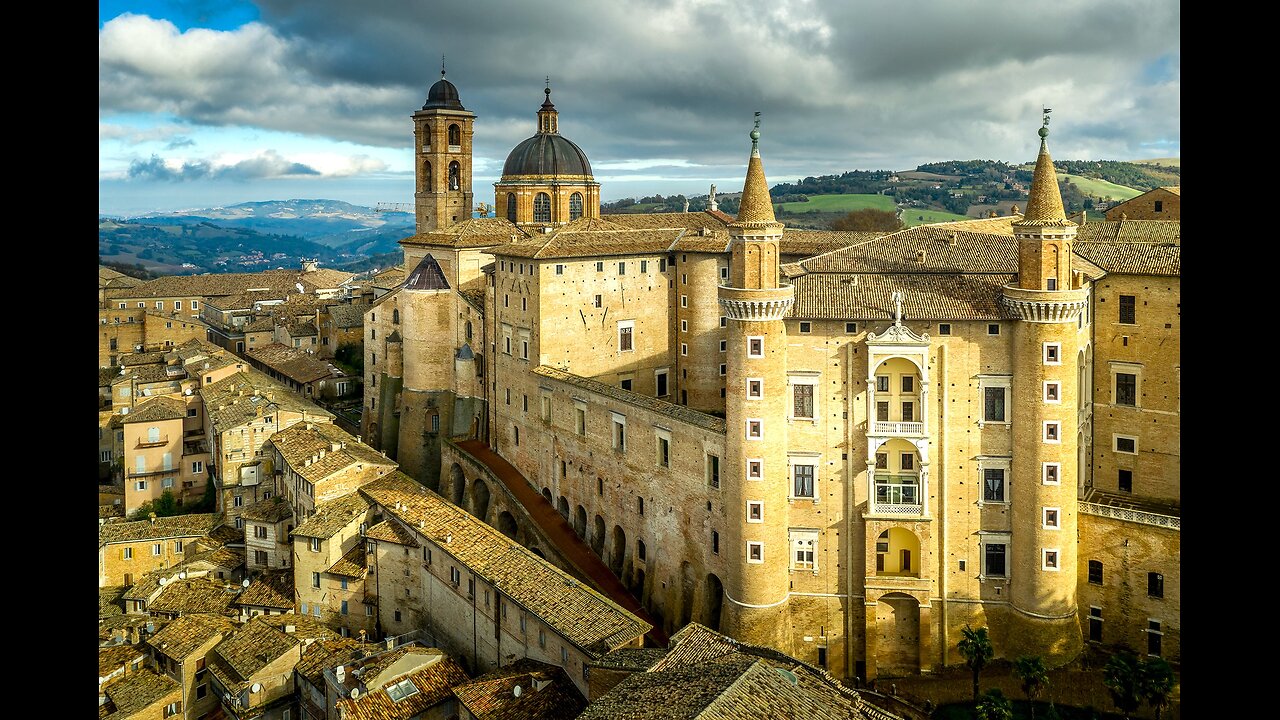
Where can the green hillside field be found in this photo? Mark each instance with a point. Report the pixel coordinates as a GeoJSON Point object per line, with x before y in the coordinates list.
{"type": "Point", "coordinates": [920, 216]}
{"type": "Point", "coordinates": [840, 203]}
{"type": "Point", "coordinates": [1101, 188]}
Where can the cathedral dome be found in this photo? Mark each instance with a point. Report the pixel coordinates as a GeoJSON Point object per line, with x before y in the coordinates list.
{"type": "Point", "coordinates": [547, 154]}
{"type": "Point", "coordinates": [443, 95]}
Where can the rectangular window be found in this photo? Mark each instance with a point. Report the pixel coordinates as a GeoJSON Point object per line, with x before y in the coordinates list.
{"type": "Point", "coordinates": [755, 552]}
{"type": "Point", "coordinates": [908, 384]}
{"type": "Point", "coordinates": [344, 607]}
{"type": "Point", "coordinates": [177, 546]}
{"type": "Point", "coordinates": [644, 266]}
{"type": "Point", "coordinates": [806, 327]}
{"type": "Point", "coordinates": [755, 469]}
{"type": "Point", "coordinates": [1095, 572]}
{"type": "Point", "coordinates": [156, 549]}
{"type": "Point", "coordinates": [1159, 206]}
{"type": "Point", "coordinates": [684, 349]}
{"type": "Point", "coordinates": [755, 388]}
{"type": "Point", "coordinates": [994, 560]}
{"type": "Point", "coordinates": [755, 511]}
{"type": "Point", "coordinates": [1053, 392]}
{"type": "Point", "coordinates": [1126, 444]}
{"type": "Point", "coordinates": [622, 268]}
{"type": "Point", "coordinates": [882, 461]}
{"type": "Point", "coordinates": [1128, 309]}
{"type": "Point", "coordinates": [1154, 637]}
{"type": "Point", "coordinates": [599, 301]}
{"type": "Point", "coordinates": [882, 411]}
{"type": "Point", "coordinates": [907, 461]}
{"type": "Point", "coordinates": [1095, 624]}
{"type": "Point", "coordinates": [1155, 585]}
{"type": "Point", "coordinates": [723, 345]}
{"type": "Point", "coordinates": [755, 347]}
{"type": "Point", "coordinates": [908, 412]}
{"type": "Point", "coordinates": [804, 543]}
{"type": "Point", "coordinates": [851, 327]}
{"type": "Point", "coordinates": [600, 266]}
{"type": "Point", "coordinates": [343, 583]}
{"type": "Point", "coordinates": [713, 470]}
{"type": "Point", "coordinates": [260, 557]}
{"type": "Point", "coordinates": [944, 328]}
{"type": "Point", "coordinates": [993, 485]}
{"type": "Point", "coordinates": [1052, 431]}
{"type": "Point", "coordinates": [559, 269]}
{"type": "Point", "coordinates": [1051, 284]}
{"type": "Point", "coordinates": [755, 429]}
{"type": "Point", "coordinates": [724, 321]}
{"type": "Point", "coordinates": [882, 383]}
{"type": "Point", "coordinates": [619, 433]}
{"type": "Point", "coordinates": [684, 301]}
{"type": "Point", "coordinates": [1125, 481]}
{"type": "Point", "coordinates": [580, 419]}
{"type": "Point", "coordinates": [715, 542]}
{"type": "Point", "coordinates": [1053, 353]}
{"type": "Point", "coordinates": [802, 401]}
{"type": "Point", "coordinates": [1049, 557]}
{"type": "Point", "coordinates": [1050, 518]}
{"type": "Point", "coordinates": [684, 326]}
{"type": "Point", "coordinates": [660, 381]}
{"type": "Point", "coordinates": [128, 553]}
{"type": "Point", "coordinates": [315, 579]}
{"type": "Point", "coordinates": [259, 531]}
{"type": "Point", "coordinates": [802, 480]}
{"type": "Point", "coordinates": [664, 449]}
{"type": "Point", "coordinates": [524, 349]}
{"type": "Point", "coordinates": [993, 404]}
{"type": "Point", "coordinates": [723, 369]}
{"type": "Point", "coordinates": [662, 264]}
{"type": "Point", "coordinates": [1052, 471]}
{"type": "Point", "coordinates": [314, 544]}
{"type": "Point", "coordinates": [1126, 389]}
{"type": "Point", "coordinates": [640, 549]}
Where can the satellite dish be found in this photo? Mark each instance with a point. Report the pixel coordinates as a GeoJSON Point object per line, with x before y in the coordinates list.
{"type": "Point", "coordinates": [244, 582]}
{"type": "Point", "coordinates": [355, 693]}
{"type": "Point", "coordinates": [255, 687]}
{"type": "Point", "coordinates": [516, 691]}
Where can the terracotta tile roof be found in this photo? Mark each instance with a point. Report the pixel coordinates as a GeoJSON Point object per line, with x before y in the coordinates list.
{"type": "Point", "coordinates": [272, 510]}
{"type": "Point", "coordinates": [352, 565]}
{"type": "Point", "coordinates": [261, 323]}
{"type": "Point", "coordinates": [694, 221]}
{"type": "Point", "coordinates": [678, 412]}
{"type": "Point", "coordinates": [389, 278]}
{"type": "Point", "coordinates": [470, 233]}
{"type": "Point", "coordinates": [224, 535]}
{"type": "Point", "coordinates": [140, 690]}
{"type": "Point", "coordinates": [193, 595]}
{"type": "Point", "coordinates": [573, 610]}
{"type": "Point", "coordinates": [300, 329]}
{"type": "Point", "coordinates": [474, 297]}
{"type": "Point", "coordinates": [145, 374]}
{"type": "Point", "coordinates": [235, 399]}
{"type": "Point", "coordinates": [347, 316]}
{"type": "Point", "coordinates": [105, 273]}
{"type": "Point", "coordinates": [120, 624]}
{"type": "Point", "coordinates": [492, 696]}
{"type": "Point", "coordinates": [973, 252]}
{"type": "Point", "coordinates": [245, 300]}
{"type": "Point", "coordinates": [324, 279]}
{"type": "Point", "coordinates": [602, 239]}
{"type": "Point", "coordinates": [259, 642]}
{"type": "Point", "coordinates": [141, 358]}
{"type": "Point", "coordinates": [332, 516]}
{"type": "Point", "coordinates": [271, 589]}
{"type": "Point", "coordinates": [703, 241]}
{"type": "Point", "coordinates": [433, 684]}
{"type": "Point", "coordinates": [108, 375]}
{"type": "Point", "coordinates": [219, 285]}
{"type": "Point", "coordinates": [109, 604]}
{"type": "Point", "coordinates": [1044, 204]}
{"type": "Point", "coordinates": [178, 526]}
{"type": "Point", "coordinates": [632, 659]}
{"type": "Point", "coordinates": [1148, 231]}
{"type": "Point", "coordinates": [115, 657]}
{"type": "Point", "coordinates": [927, 296]}
{"type": "Point", "coordinates": [1134, 258]}
{"type": "Point", "coordinates": [184, 635]}
{"type": "Point", "coordinates": [325, 654]}
{"type": "Point", "coordinates": [392, 532]}
{"type": "Point", "coordinates": [309, 449]}
{"type": "Point", "coordinates": [814, 242]}
{"type": "Point", "coordinates": [294, 363]}
{"type": "Point", "coordinates": [755, 207]}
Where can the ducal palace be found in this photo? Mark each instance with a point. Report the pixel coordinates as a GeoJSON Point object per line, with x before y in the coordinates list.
{"type": "Point", "coordinates": [842, 445]}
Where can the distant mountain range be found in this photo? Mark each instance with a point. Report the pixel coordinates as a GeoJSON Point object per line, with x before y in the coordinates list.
{"type": "Point", "coordinates": [253, 236]}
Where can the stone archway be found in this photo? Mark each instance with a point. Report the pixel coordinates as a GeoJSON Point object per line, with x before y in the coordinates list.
{"type": "Point", "coordinates": [546, 494]}
{"type": "Point", "coordinates": [619, 550]}
{"type": "Point", "coordinates": [898, 641]}
{"type": "Point", "coordinates": [507, 525]}
{"type": "Point", "coordinates": [457, 485]}
{"type": "Point", "coordinates": [597, 536]}
{"type": "Point", "coordinates": [562, 506]}
{"type": "Point", "coordinates": [713, 601]}
{"type": "Point", "coordinates": [580, 522]}
{"type": "Point", "coordinates": [480, 499]}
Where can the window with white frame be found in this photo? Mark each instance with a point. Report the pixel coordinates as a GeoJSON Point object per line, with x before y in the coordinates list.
{"type": "Point", "coordinates": [1126, 384]}
{"type": "Point", "coordinates": [660, 383]}
{"type": "Point", "coordinates": [684, 301]}
{"type": "Point", "coordinates": [755, 469]}
{"type": "Point", "coordinates": [724, 345]}
{"type": "Point", "coordinates": [804, 546]}
{"type": "Point", "coordinates": [625, 330]}
{"type": "Point", "coordinates": [755, 429]}
{"type": "Point", "coordinates": [804, 398]}
{"type": "Point", "coordinates": [1053, 353]}
{"type": "Point", "coordinates": [755, 346]}
{"type": "Point", "coordinates": [755, 511]}
{"type": "Point", "coordinates": [806, 327]}
{"type": "Point", "coordinates": [580, 417]}
{"type": "Point", "coordinates": [1052, 391]}
{"type": "Point", "coordinates": [619, 432]}
{"type": "Point", "coordinates": [755, 388]}
{"type": "Point", "coordinates": [314, 544]}
{"type": "Point", "coordinates": [994, 475]}
{"type": "Point", "coordinates": [1052, 431]}
{"type": "Point", "coordinates": [684, 349]}
{"type": "Point", "coordinates": [995, 392]}
{"type": "Point", "coordinates": [1051, 473]}
{"type": "Point", "coordinates": [1050, 559]}
{"type": "Point", "coordinates": [724, 369]}
{"type": "Point", "coordinates": [128, 553]}
{"type": "Point", "coordinates": [1127, 444]}
{"type": "Point", "coordinates": [156, 549]}
{"type": "Point", "coordinates": [755, 553]}
{"type": "Point", "coordinates": [724, 321]}
{"type": "Point", "coordinates": [804, 477]}
{"type": "Point", "coordinates": [662, 443]}
{"type": "Point", "coordinates": [995, 552]}
{"type": "Point", "coordinates": [1051, 517]}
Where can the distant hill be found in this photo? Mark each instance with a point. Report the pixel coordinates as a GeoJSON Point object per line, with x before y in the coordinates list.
{"type": "Point", "coordinates": [253, 236]}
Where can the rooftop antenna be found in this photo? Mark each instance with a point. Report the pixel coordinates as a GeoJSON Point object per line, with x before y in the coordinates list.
{"type": "Point", "coordinates": [442, 66]}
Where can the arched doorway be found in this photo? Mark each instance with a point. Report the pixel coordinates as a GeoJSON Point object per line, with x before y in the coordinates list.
{"type": "Point", "coordinates": [507, 525]}
{"type": "Point", "coordinates": [597, 537]}
{"type": "Point", "coordinates": [546, 493]}
{"type": "Point", "coordinates": [562, 505]}
{"type": "Point", "coordinates": [688, 584]}
{"type": "Point", "coordinates": [898, 644]}
{"type": "Point", "coordinates": [580, 522]}
{"type": "Point", "coordinates": [480, 499]}
{"type": "Point", "coordinates": [637, 586]}
{"type": "Point", "coordinates": [713, 601]}
{"type": "Point", "coordinates": [457, 484]}
{"type": "Point", "coordinates": [619, 551]}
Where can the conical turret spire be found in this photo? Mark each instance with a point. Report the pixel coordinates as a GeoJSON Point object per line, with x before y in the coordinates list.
{"type": "Point", "coordinates": [1044, 206]}
{"type": "Point", "coordinates": [756, 205]}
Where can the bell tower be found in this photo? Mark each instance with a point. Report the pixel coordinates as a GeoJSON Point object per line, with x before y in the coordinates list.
{"type": "Point", "coordinates": [442, 132]}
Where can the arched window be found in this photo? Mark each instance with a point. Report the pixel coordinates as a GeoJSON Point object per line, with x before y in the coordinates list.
{"type": "Point", "coordinates": [395, 316]}
{"type": "Point", "coordinates": [542, 208]}
{"type": "Point", "coordinates": [511, 207]}
{"type": "Point", "coordinates": [455, 135]}
{"type": "Point", "coordinates": [575, 206]}
{"type": "Point", "coordinates": [453, 175]}
{"type": "Point", "coordinates": [426, 137]}
{"type": "Point", "coordinates": [468, 331]}
{"type": "Point", "coordinates": [426, 175]}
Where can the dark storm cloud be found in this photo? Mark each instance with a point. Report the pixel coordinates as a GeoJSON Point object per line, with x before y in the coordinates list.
{"type": "Point", "coordinates": [841, 84]}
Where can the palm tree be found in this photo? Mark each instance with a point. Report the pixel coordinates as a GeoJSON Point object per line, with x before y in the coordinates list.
{"type": "Point", "coordinates": [1031, 671]}
{"type": "Point", "coordinates": [994, 706]}
{"type": "Point", "coordinates": [976, 648]}
{"type": "Point", "coordinates": [1157, 683]}
{"type": "Point", "coordinates": [1122, 678]}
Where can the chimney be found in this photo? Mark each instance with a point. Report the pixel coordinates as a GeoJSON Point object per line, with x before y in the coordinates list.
{"type": "Point", "coordinates": [1084, 217]}
{"type": "Point", "coordinates": [991, 213]}
{"type": "Point", "coordinates": [335, 446]}
{"type": "Point", "coordinates": [920, 256]}
{"type": "Point", "coordinates": [290, 628]}
{"type": "Point", "coordinates": [951, 239]}
{"type": "Point", "coordinates": [152, 518]}
{"type": "Point", "coordinates": [1014, 210]}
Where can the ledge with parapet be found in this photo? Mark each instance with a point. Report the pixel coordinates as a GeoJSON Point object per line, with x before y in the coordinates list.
{"type": "Point", "coordinates": [1046, 306]}
{"type": "Point", "coordinates": [1138, 516]}
{"type": "Point", "coordinates": [756, 304]}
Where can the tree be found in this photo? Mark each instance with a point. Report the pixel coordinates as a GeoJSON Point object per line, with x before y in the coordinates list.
{"type": "Point", "coordinates": [1157, 683]}
{"type": "Point", "coordinates": [1122, 677]}
{"type": "Point", "coordinates": [994, 706]}
{"type": "Point", "coordinates": [1030, 670]}
{"type": "Point", "coordinates": [975, 646]}
{"type": "Point", "coordinates": [868, 219]}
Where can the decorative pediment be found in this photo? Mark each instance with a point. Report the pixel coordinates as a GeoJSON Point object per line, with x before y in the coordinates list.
{"type": "Point", "coordinates": [898, 334]}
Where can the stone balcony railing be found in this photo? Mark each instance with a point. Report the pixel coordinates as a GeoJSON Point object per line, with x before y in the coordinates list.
{"type": "Point", "coordinates": [880, 427]}
{"type": "Point", "coordinates": [756, 304]}
{"type": "Point", "coordinates": [1137, 516]}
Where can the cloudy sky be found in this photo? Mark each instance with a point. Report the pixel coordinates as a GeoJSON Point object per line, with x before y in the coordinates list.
{"type": "Point", "coordinates": [212, 102]}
